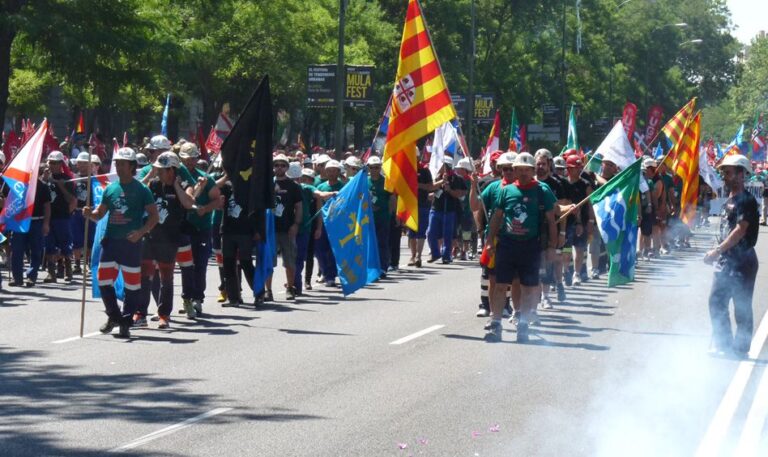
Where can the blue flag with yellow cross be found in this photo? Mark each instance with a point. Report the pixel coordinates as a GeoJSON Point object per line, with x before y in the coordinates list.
{"type": "Point", "coordinates": [348, 220]}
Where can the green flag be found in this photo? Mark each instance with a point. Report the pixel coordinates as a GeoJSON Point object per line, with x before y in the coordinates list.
{"type": "Point", "coordinates": [594, 163]}
{"type": "Point", "coordinates": [514, 128]}
{"type": "Point", "coordinates": [573, 137]}
{"type": "Point", "coordinates": [616, 207]}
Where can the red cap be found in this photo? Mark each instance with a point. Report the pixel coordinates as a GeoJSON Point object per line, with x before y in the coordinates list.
{"type": "Point", "coordinates": [495, 155]}
{"type": "Point", "coordinates": [573, 161]}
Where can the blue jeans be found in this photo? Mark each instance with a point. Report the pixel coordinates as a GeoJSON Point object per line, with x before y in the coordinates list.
{"type": "Point", "coordinates": [302, 248]}
{"type": "Point", "coordinates": [441, 226]}
{"type": "Point", "coordinates": [20, 243]}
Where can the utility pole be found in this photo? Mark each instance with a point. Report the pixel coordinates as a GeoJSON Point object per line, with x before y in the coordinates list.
{"type": "Point", "coordinates": [341, 75]}
{"type": "Point", "coordinates": [470, 115]}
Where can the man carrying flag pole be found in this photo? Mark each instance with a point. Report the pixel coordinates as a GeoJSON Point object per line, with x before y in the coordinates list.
{"type": "Point", "coordinates": [420, 103]}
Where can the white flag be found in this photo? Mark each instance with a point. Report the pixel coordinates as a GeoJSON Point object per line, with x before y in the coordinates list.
{"type": "Point", "coordinates": [616, 148]}
{"type": "Point", "coordinates": [444, 148]}
{"type": "Point", "coordinates": [708, 174]}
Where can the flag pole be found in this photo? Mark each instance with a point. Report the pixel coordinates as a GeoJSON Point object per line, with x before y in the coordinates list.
{"type": "Point", "coordinates": [86, 260]}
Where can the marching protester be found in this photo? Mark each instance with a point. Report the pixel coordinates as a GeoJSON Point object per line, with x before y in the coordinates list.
{"type": "Point", "coordinates": [161, 243]}
{"type": "Point", "coordinates": [82, 188]}
{"type": "Point", "coordinates": [597, 253]}
{"type": "Point", "coordinates": [524, 214]}
{"type": "Point", "coordinates": [417, 238]}
{"type": "Point", "coordinates": [442, 217]}
{"type": "Point", "coordinates": [735, 262]}
{"type": "Point", "coordinates": [63, 202]}
{"type": "Point", "coordinates": [383, 206]}
{"type": "Point", "coordinates": [579, 226]}
{"type": "Point", "coordinates": [323, 251]}
{"type": "Point", "coordinates": [552, 269]}
{"type": "Point", "coordinates": [127, 200]}
{"type": "Point", "coordinates": [237, 243]}
{"type": "Point", "coordinates": [648, 209]}
{"type": "Point", "coordinates": [33, 240]}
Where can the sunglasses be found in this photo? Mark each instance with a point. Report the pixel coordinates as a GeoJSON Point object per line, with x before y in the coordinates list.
{"type": "Point", "coordinates": [507, 168]}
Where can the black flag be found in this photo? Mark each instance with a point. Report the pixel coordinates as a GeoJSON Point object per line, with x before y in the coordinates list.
{"type": "Point", "coordinates": [247, 156]}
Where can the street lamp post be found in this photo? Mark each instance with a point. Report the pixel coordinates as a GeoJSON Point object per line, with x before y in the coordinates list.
{"type": "Point", "coordinates": [470, 114]}
{"type": "Point", "coordinates": [340, 76]}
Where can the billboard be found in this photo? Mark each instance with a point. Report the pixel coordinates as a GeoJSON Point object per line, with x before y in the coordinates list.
{"type": "Point", "coordinates": [485, 107]}
{"type": "Point", "coordinates": [321, 86]}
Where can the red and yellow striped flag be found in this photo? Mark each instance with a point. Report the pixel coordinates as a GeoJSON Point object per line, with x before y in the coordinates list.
{"type": "Point", "coordinates": [420, 103]}
{"type": "Point", "coordinates": [674, 129]}
{"type": "Point", "coordinates": [688, 169]}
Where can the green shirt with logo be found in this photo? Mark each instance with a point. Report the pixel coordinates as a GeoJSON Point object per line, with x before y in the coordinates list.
{"type": "Point", "coordinates": [521, 208]}
{"type": "Point", "coordinates": [126, 203]}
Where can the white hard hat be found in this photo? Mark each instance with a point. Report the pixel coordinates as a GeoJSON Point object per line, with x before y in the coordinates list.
{"type": "Point", "coordinates": [125, 154]}
{"type": "Point", "coordinates": [95, 159]}
{"type": "Point", "coordinates": [374, 160]}
{"type": "Point", "coordinates": [353, 162]}
{"type": "Point", "coordinates": [559, 162]}
{"type": "Point", "coordinates": [465, 164]}
{"type": "Point", "coordinates": [322, 158]}
{"type": "Point", "coordinates": [525, 159]}
{"type": "Point", "coordinates": [141, 159]}
{"type": "Point", "coordinates": [736, 160]}
{"type": "Point", "coordinates": [508, 158]}
{"type": "Point", "coordinates": [83, 157]}
{"type": "Point", "coordinates": [55, 156]}
{"type": "Point", "coordinates": [543, 152]}
{"type": "Point", "coordinates": [649, 162]}
{"type": "Point", "coordinates": [333, 164]}
{"type": "Point", "coordinates": [159, 142]}
{"type": "Point", "coordinates": [308, 172]}
{"type": "Point", "coordinates": [294, 170]}
{"type": "Point", "coordinates": [166, 160]}
{"type": "Point", "coordinates": [189, 151]}
{"type": "Point", "coordinates": [280, 158]}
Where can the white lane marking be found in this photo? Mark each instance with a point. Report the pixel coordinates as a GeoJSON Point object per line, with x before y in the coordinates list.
{"type": "Point", "coordinates": [413, 336]}
{"type": "Point", "coordinates": [171, 429]}
{"type": "Point", "coordinates": [752, 432]}
{"type": "Point", "coordinates": [718, 429]}
{"type": "Point", "coordinates": [75, 338]}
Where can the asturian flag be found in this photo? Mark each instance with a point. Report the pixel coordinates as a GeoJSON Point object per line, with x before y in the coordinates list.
{"type": "Point", "coordinates": [615, 205]}
{"type": "Point", "coordinates": [21, 178]}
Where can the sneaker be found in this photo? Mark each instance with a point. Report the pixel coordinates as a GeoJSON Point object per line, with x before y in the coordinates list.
{"type": "Point", "coordinates": [493, 334]}
{"type": "Point", "coordinates": [507, 311]}
{"type": "Point", "coordinates": [165, 322]}
{"type": "Point", "coordinates": [139, 321]}
{"type": "Point", "coordinates": [108, 326]}
{"type": "Point", "coordinates": [222, 296]}
{"type": "Point", "coordinates": [198, 304]}
{"type": "Point", "coordinates": [560, 292]}
{"type": "Point", "coordinates": [184, 303]}
{"type": "Point", "coordinates": [664, 251]}
{"type": "Point", "coordinates": [155, 318]}
{"type": "Point", "coordinates": [125, 329]}
{"type": "Point", "coordinates": [471, 256]}
{"type": "Point", "coordinates": [515, 319]}
{"type": "Point", "coordinates": [268, 297]}
{"type": "Point", "coordinates": [189, 309]}
{"type": "Point", "coordinates": [308, 286]}
{"type": "Point", "coordinates": [522, 332]}
{"type": "Point", "coordinates": [290, 293]}
{"type": "Point", "coordinates": [50, 279]}
{"type": "Point", "coordinates": [583, 275]}
{"type": "Point", "coordinates": [595, 274]}
{"type": "Point", "coordinates": [576, 281]}
{"type": "Point", "coordinates": [488, 324]}
{"type": "Point", "coordinates": [545, 303]}
{"type": "Point", "coordinates": [482, 312]}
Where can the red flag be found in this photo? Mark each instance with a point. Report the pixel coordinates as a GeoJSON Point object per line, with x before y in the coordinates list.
{"type": "Point", "coordinates": [80, 129]}
{"type": "Point", "coordinates": [201, 143]}
{"type": "Point", "coordinates": [49, 141]}
{"type": "Point", "coordinates": [11, 146]}
{"type": "Point", "coordinates": [709, 149]}
{"type": "Point", "coordinates": [213, 143]}
{"type": "Point", "coordinates": [628, 119]}
{"type": "Point", "coordinates": [655, 117]}
{"type": "Point", "coordinates": [97, 147]}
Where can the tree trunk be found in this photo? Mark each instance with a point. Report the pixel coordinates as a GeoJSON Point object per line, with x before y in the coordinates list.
{"type": "Point", "coordinates": [7, 35]}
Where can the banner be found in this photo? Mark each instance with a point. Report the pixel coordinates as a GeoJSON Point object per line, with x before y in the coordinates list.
{"type": "Point", "coordinates": [628, 119]}
{"type": "Point", "coordinates": [655, 117]}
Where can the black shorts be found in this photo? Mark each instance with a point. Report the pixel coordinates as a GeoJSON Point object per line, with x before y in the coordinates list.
{"type": "Point", "coordinates": [571, 240]}
{"type": "Point", "coordinates": [518, 260]}
{"type": "Point", "coordinates": [160, 251]}
{"type": "Point", "coordinates": [646, 224]}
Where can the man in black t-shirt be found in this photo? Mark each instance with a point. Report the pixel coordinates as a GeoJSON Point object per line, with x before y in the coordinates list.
{"type": "Point", "coordinates": [580, 224]}
{"type": "Point", "coordinates": [237, 241]}
{"type": "Point", "coordinates": [288, 216]}
{"type": "Point", "coordinates": [552, 270]}
{"type": "Point", "coordinates": [162, 242]}
{"type": "Point", "coordinates": [451, 188]}
{"type": "Point", "coordinates": [736, 262]}
{"type": "Point", "coordinates": [63, 202]}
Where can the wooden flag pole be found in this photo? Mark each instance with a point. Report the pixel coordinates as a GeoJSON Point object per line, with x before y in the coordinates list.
{"type": "Point", "coordinates": [86, 260]}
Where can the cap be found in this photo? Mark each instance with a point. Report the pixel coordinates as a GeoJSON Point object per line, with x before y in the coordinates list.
{"type": "Point", "coordinates": [559, 162]}
{"type": "Point", "coordinates": [734, 160]}
{"type": "Point", "coordinates": [573, 161]}
{"type": "Point", "coordinates": [189, 151]}
{"type": "Point", "coordinates": [353, 162]}
{"type": "Point", "coordinates": [159, 142]}
{"type": "Point", "coordinates": [333, 164]}
{"type": "Point", "coordinates": [649, 162]}
{"type": "Point", "coordinates": [294, 170]}
{"type": "Point", "coordinates": [141, 159]}
{"type": "Point", "coordinates": [55, 156]}
{"type": "Point", "coordinates": [167, 160]}
{"type": "Point", "coordinates": [308, 172]}
{"type": "Point", "coordinates": [508, 158]}
{"type": "Point", "coordinates": [280, 158]}
{"type": "Point", "coordinates": [95, 159]}
{"type": "Point", "coordinates": [465, 164]}
{"type": "Point", "coordinates": [125, 154]}
{"type": "Point", "coordinates": [83, 157]}
{"type": "Point", "coordinates": [543, 153]}
{"type": "Point", "coordinates": [525, 159]}
{"type": "Point", "coordinates": [374, 160]}
{"type": "Point", "coordinates": [322, 158]}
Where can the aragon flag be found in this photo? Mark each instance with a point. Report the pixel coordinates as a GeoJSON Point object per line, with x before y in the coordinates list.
{"type": "Point", "coordinates": [420, 104]}
{"type": "Point", "coordinates": [247, 156]}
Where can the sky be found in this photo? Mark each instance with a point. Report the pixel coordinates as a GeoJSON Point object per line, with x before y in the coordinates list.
{"type": "Point", "coordinates": [750, 17]}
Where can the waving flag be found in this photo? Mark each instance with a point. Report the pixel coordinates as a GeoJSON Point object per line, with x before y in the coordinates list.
{"type": "Point", "coordinates": [734, 147]}
{"type": "Point", "coordinates": [515, 137]}
{"type": "Point", "coordinates": [707, 173]}
{"type": "Point", "coordinates": [758, 140]}
{"type": "Point", "coordinates": [98, 185]}
{"type": "Point", "coordinates": [658, 153]}
{"type": "Point", "coordinates": [688, 169]}
{"type": "Point", "coordinates": [673, 129]}
{"type": "Point", "coordinates": [21, 178]}
{"type": "Point", "coordinates": [80, 128]}
{"type": "Point", "coordinates": [223, 123]}
{"type": "Point", "coordinates": [213, 143]}
{"type": "Point", "coordinates": [11, 146]}
{"type": "Point", "coordinates": [420, 104]}
{"type": "Point", "coordinates": [492, 144]}
{"type": "Point", "coordinates": [348, 220]}
{"type": "Point", "coordinates": [443, 148]}
{"type": "Point", "coordinates": [164, 121]}
{"type": "Point", "coordinates": [628, 119]}
{"type": "Point", "coordinates": [615, 205]}
{"type": "Point", "coordinates": [573, 136]}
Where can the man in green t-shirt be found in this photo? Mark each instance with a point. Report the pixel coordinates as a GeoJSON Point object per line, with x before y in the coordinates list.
{"type": "Point", "coordinates": [325, 257]}
{"type": "Point", "coordinates": [127, 200]}
{"type": "Point", "coordinates": [383, 203]}
{"type": "Point", "coordinates": [525, 212]}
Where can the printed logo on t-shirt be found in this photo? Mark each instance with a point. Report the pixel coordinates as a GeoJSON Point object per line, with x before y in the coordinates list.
{"type": "Point", "coordinates": [516, 224]}
{"type": "Point", "coordinates": [233, 209]}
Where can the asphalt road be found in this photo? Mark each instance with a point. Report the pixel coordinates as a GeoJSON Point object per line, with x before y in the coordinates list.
{"type": "Point", "coordinates": [620, 371]}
